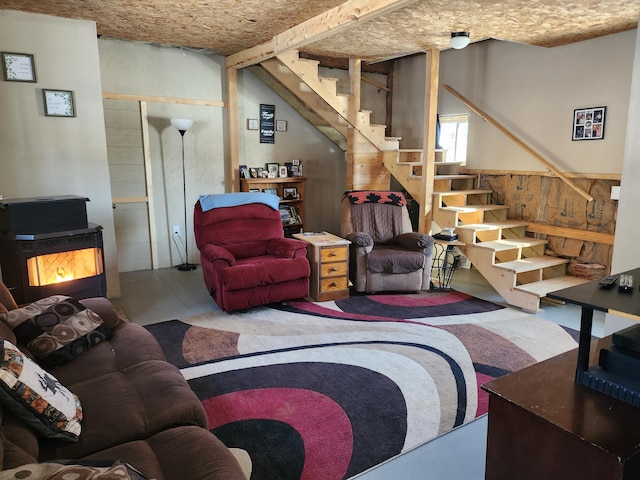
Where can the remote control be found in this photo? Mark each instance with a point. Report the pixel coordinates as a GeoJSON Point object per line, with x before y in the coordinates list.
{"type": "Point", "coordinates": [608, 281]}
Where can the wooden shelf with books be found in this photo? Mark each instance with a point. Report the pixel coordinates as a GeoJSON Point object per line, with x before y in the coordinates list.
{"type": "Point", "coordinates": [291, 193]}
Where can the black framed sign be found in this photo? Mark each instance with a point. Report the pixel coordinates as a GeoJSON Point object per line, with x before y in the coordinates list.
{"type": "Point", "coordinates": [588, 123]}
{"type": "Point", "coordinates": [267, 123]}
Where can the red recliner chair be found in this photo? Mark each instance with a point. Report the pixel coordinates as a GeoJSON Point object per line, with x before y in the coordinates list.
{"type": "Point", "coordinates": [246, 261]}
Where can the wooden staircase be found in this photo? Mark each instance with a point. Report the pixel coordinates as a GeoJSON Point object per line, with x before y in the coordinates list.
{"type": "Point", "coordinates": [512, 261]}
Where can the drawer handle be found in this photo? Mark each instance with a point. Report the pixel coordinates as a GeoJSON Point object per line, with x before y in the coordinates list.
{"type": "Point", "coordinates": [332, 254]}
{"type": "Point", "coordinates": [334, 269]}
{"type": "Point", "coordinates": [333, 284]}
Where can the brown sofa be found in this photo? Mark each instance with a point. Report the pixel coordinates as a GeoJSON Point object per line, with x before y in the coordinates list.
{"type": "Point", "coordinates": [136, 408]}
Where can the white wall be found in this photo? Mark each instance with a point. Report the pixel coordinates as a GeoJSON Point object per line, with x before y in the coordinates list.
{"type": "Point", "coordinates": [142, 69]}
{"type": "Point", "coordinates": [625, 255]}
{"type": "Point", "coordinates": [533, 91]}
{"type": "Point", "coordinates": [46, 156]}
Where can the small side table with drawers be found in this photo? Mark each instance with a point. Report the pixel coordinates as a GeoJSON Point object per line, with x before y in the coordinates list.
{"type": "Point", "coordinates": [328, 257]}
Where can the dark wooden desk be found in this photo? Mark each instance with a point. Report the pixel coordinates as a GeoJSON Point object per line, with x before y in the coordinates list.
{"type": "Point", "coordinates": [548, 422]}
{"type": "Point", "coordinates": [590, 296]}
{"type": "Point", "coordinates": [545, 426]}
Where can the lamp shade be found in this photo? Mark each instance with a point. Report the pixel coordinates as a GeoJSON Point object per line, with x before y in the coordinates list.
{"type": "Point", "coordinates": [459, 40]}
{"type": "Point", "coordinates": [181, 123]}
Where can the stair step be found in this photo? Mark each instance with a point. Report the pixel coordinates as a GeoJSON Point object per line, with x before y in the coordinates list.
{"type": "Point", "coordinates": [494, 225]}
{"type": "Point", "coordinates": [531, 264]}
{"type": "Point", "coordinates": [511, 243]}
{"type": "Point", "coordinates": [462, 192]}
{"type": "Point", "coordinates": [452, 177]}
{"type": "Point", "coordinates": [543, 287]}
{"type": "Point", "coordinates": [475, 208]}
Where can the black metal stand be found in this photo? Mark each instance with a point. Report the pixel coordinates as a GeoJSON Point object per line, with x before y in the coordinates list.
{"type": "Point", "coordinates": [185, 267]}
{"type": "Point", "coordinates": [444, 263]}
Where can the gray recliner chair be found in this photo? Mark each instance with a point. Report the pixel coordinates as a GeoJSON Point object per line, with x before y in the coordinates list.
{"type": "Point", "coordinates": [385, 254]}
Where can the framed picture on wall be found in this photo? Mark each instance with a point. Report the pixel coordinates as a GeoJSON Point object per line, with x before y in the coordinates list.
{"type": "Point", "coordinates": [58, 103]}
{"type": "Point", "coordinates": [18, 67]}
{"type": "Point", "coordinates": [588, 123]}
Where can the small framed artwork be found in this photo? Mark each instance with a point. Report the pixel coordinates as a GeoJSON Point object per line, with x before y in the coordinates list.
{"type": "Point", "coordinates": [252, 124]}
{"type": "Point", "coordinates": [58, 103]}
{"type": "Point", "coordinates": [588, 123]}
{"type": "Point", "coordinates": [282, 172]}
{"type": "Point", "coordinates": [254, 190]}
{"type": "Point", "coordinates": [290, 193]}
{"type": "Point", "coordinates": [273, 168]}
{"type": "Point", "coordinates": [253, 173]}
{"type": "Point", "coordinates": [244, 171]}
{"type": "Point", "coordinates": [270, 190]}
{"type": "Point", "coordinates": [18, 67]}
{"type": "Point", "coordinates": [281, 125]}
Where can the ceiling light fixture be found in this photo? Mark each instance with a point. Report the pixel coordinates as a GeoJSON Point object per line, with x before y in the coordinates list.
{"type": "Point", "coordinates": [459, 40]}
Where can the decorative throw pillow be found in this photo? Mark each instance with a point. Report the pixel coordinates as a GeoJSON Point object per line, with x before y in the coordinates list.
{"type": "Point", "coordinates": [77, 471]}
{"type": "Point", "coordinates": [56, 329]}
{"type": "Point", "coordinates": [36, 396]}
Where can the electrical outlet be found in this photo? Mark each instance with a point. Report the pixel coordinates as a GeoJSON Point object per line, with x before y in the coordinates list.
{"type": "Point", "coordinates": [176, 230]}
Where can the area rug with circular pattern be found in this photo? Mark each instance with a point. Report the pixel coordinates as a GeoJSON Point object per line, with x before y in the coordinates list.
{"type": "Point", "coordinates": [326, 390]}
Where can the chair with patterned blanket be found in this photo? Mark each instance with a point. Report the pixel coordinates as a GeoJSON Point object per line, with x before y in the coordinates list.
{"type": "Point", "coordinates": [246, 261]}
{"type": "Point", "coordinates": [385, 254]}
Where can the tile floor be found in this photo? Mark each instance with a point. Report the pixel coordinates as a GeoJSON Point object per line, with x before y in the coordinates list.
{"type": "Point", "coordinates": [155, 295]}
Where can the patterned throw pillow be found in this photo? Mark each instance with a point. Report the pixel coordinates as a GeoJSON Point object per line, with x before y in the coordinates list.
{"type": "Point", "coordinates": [80, 471]}
{"type": "Point", "coordinates": [56, 329]}
{"type": "Point", "coordinates": [37, 397]}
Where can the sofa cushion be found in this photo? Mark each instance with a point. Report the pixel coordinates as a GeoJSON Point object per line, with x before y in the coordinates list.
{"type": "Point", "coordinates": [74, 471]}
{"type": "Point", "coordinates": [56, 329]}
{"type": "Point", "coordinates": [129, 344]}
{"type": "Point", "coordinates": [129, 404]}
{"type": "Point", "coordinates": [36, 396]}
{"type": "Point", "coordinates": [179, 453]}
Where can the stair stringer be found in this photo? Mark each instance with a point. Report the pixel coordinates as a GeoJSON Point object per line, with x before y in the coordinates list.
{"type": "Point", "coordinates": [307, 72]}
{"type": "Point", "coordinates": [502, 280]}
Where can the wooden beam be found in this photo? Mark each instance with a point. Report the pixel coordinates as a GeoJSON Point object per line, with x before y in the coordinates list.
{"type": "Point", "coordinates": [432, 74]}
{"type": "Point", "coordinates": [148, 175]}
{"type": "Point", "coordinates": [519, 142]}
{"type": "Point", "coordinates": [147, 98]}
{"type": "Point", "coordinates": [585, 235]}
{"type": "Point", "coordinates": [355, 88]}
{"type": "Point", "coordinates": [328, 23]}
{"type": "Point", "coordinates": [233, 173]}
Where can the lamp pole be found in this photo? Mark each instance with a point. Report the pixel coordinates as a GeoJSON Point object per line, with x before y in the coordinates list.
{"type": "Point", "coordinates": [182, 125]}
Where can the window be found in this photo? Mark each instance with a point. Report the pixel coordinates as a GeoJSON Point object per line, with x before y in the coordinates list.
{"type": "Point", "coordinates": [453, 136]}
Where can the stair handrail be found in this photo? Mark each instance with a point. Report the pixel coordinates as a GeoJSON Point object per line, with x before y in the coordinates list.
{"type": "Point", "coordinates": [519, 142]}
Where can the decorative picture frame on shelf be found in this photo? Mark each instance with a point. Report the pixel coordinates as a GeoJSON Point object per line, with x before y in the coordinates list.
{"type": "Point", "coordinates": [290, 193]}
{"type": "Point", "coordinates": [244, 171]}
{"type": "Point", "coordinates": [252, 124]}
{"type": "Point", "coordinates": [588, 123]}
{"type": "Point", "coordinates": [281, 125]}
{"type": "Point", "coordinates": [58, 103]}
{"type": "Point", "coordinates": [18, 67]}
{"type": "Point", "coordinates": [270, 190]}
{"type": "Point", "coordinates": [273, 168]}
{"type": "Point", "coordinates": [282, 171]}
{"type": "Point", "coordinates": [253, 172]}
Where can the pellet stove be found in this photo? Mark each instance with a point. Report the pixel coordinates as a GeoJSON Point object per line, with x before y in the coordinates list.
{"type": "Point", "coordinates": [47, 247]}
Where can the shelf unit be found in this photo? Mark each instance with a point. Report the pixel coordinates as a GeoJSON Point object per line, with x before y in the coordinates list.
{"type": "Point", "coordinates": [280, 184]}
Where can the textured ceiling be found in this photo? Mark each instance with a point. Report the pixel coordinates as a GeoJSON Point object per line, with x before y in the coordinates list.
{"type": "Point", "coordinates": [230, 26]}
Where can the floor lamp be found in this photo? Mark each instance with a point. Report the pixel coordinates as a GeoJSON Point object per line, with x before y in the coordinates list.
{"type": "Point", "coordinates": [183, 124]}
